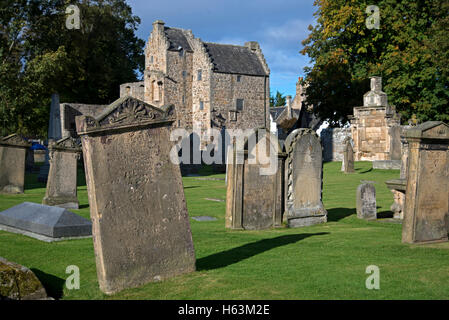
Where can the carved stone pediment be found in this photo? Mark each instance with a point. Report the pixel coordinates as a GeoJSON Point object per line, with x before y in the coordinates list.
{"type": "Point", "coordinates": [66, 144]}
{"type": "Point", "coordinates": [14, 140]}
{"type": "Point", "coordinates": [126, 112]}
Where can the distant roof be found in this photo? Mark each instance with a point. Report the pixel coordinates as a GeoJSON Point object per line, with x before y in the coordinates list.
{"type": "Point", "coordinates": [276, 112]}
{"type": "Point", "coordinates": [234, 59]}
{"type": "Point", "coordinates": [177, 39]}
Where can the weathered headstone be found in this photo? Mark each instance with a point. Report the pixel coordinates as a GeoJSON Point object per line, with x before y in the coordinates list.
{"type": "Point", "coordinates": [29, 160]}
{"type": "Point", "coordinates": [141, 229]}
{"type": "Point", "coordinates": [426, 208]}
{"type": "Point", "coordinates": [12, 163]}
{"type": "Point", "coordinates": [304, 179]}
{"type": "Point", "coordinates": [366, 202]}
{"type": "Point", "coordinates": [48, 221]}
{"type": "Point", "coordinates": [61, 184]}
{"type": "Point", "coordinates": [254, 200]}
{"type": "Point", "coordinates": [347, 165]}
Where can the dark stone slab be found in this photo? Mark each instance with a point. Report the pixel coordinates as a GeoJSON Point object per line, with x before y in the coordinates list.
{"type": "Point", "coordinates": [49, 221]}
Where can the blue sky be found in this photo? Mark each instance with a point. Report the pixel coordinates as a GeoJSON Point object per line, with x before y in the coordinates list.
{"type": "Point", "coordinates": [278, 25]}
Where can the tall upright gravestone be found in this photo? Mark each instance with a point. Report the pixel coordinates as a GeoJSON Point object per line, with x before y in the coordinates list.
{"type": "Point", "coordinates": [348, 157]}
{"type": "Point", "coordinates": [54, 134]}
{"type": "Point", "coordinates": [304, 179]}
{"type": "Point", "coordinates": [62, 178]}
{"type": "Point", "coordinates": [426, 208]}
{"type": "Point", "coordinates": [254, 198]}
{"type": "Point", "coordinates": [12, 163]}
{"type": "Point", "coordinates": [140, 224]}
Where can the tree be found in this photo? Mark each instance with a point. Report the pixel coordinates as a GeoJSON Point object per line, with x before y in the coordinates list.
{"type": "Point", "coordinates": [39, 55]}
{"type": "Point", "coordinates": [277, 101]}
{"type": "Point", "coordinates": [404, 51]}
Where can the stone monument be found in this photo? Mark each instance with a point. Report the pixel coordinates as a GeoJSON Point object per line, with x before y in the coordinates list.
{"type": "Point", "coordinates": [254, 201]}
{"type": "Point", "coordinates": [141, 229]}
{"type": "Point", "coordinates": [13, 150]}
{"type": "Point", "coordinates": [366, 201]}
{"type": "Point", "coordinates": [371, 125]}
{"type": "Point", "coordinates": [62, 178]}
{"type": "Point", "coordinates": [426, 208]}
{"type": "Point", "coordinates": [304, 179]}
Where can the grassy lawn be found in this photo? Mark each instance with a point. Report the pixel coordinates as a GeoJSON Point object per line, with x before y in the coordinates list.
{"type": "Point", "coordinates": [326, 261]}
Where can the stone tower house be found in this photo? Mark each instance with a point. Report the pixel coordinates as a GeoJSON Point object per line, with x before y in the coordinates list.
{"type": "Point", "coordinates": [212, 85]}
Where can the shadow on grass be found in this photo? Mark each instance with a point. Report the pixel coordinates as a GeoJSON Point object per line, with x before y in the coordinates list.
{"type": "Point", "coordinates": [366, 171]}
{"type": "Point", "coordinates": [82, 206]}
{"type": "Point", "coordinates": [234, 255]}
{"type": "Point", "coordinates": [336, 214]}
{"type": "Point", "coordinates": [54, 286]}
{"type": "Point", "coordinates": [384, 215]}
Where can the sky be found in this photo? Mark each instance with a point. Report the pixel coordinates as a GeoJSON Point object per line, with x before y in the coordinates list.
{"type": "Point", "coordinates": [278, 25]}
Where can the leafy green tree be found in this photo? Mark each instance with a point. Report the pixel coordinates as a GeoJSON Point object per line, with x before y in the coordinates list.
{"type": "Point", "coordinates": [278, 100]}
{"type": "Point", "coordinates": [405, 51]}
{"type": "Point", "coordinates": [39, 55]}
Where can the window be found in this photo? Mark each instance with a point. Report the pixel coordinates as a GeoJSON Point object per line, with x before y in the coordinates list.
{"type": "Point", "coordinates": [239, 104]}
{"type": "Point", "coordinates": [181, 53]}
{"type": "Point", "coordinates": [184, 74]}
{"type": "Point", "coordinates": [151, 59]}
{"type": "Point", "coordinates": [239, 78]}
{"type": "Point", "coordinates": [201, 105]}
{"type": "Point", "coordinates": [183, 99]}
{"type": "Point", "coordinates": [200, 76]}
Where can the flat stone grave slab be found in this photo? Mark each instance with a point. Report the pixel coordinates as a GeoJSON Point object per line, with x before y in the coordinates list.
{"type": "Point", "coordinates": [44, 222]}
{"type": "Point", "coordinates": [204, 218]}
{"type": "Point", "coordinates": [214, 199]}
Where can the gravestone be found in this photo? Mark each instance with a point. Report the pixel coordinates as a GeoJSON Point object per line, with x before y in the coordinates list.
{"type": "Point", "coordinates": [426, 208]}
{"type": "Point", "coordinates": [48, 221]}
{"type": "Point", "coordinates": [54, 134]}
{"type": "Point", "coordinates": [62, 178]}
{"type": "Point", "coordinates": [366, 202]}
{"type": "Point", "coordinates": [304, 179]}
{"type": "Point", "coordinates": [12, 163]}
{"type": "Point", "coordinates": [254, 200]}
{"type": "Point", "coordinates": [141, 229]}
{"type": "Point", "coordinates": [29, 160]}
{"type": "Point", "coordinates": [347, 165]}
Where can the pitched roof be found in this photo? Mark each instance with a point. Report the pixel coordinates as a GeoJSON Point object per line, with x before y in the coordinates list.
{"type": "Point", "coordinates": [234, 59]}
{"type": "Point", "coordinates": [177, 39]}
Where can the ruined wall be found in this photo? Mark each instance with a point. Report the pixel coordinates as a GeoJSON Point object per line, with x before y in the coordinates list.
{"type": "Point", "coordinates": [201, 89]}
{"type": "Point", "coordinates": [133, 89]}
{"type": "Point", "coordinates": [178, 86]}
{"type": "Point", "coordinates": [155, 65]}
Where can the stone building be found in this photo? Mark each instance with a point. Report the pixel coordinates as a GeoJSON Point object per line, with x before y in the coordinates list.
{"type": "Point", "coordinates": [212, 85]}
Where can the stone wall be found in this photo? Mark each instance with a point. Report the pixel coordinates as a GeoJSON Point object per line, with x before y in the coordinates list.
{"type": "Point", "coordinates": [133, 89]}
{"type": "Point", "coordinates": [332, 140]}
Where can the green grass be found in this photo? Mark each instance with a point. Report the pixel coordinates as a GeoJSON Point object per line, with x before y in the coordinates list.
{"type": "Point", "coordinates": [325, 261]}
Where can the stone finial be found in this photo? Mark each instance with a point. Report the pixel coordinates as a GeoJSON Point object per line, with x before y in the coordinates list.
{"type": "Point", "coordinates": [376, 83]}
{"type": "Point", "coordinates": [375, 97]}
